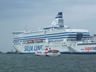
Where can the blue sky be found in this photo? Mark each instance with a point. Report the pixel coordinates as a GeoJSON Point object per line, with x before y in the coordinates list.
{"type": "Point", "coordinates": [15, 15]}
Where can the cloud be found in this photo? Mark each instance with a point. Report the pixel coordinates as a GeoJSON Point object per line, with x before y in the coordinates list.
{"type": "Point", "coordinates": [80, 12]}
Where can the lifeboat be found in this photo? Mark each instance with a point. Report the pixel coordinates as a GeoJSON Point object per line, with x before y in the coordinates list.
{"type": "Point", "coordinates": [53, 53]}
{"type": "Point", "coordinates": [36, 40]}
{"type": "Point", "coordinates": [30, 41]}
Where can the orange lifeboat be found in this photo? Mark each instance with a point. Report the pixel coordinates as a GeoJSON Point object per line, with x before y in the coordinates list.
{"type": "Point", "coordinates": [30, 41]}
{"type": "Point", "coordinates": [36, 40]}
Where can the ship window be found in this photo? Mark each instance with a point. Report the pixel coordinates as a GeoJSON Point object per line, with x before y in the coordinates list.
{"type": "Point", "coordinates": [79, 36]}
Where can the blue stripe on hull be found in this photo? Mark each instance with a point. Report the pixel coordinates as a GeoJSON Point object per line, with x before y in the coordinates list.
{"type": "Point", "coordinates": [26, 53]}
{"type": "Point", "coordinates": [68, 53]}
{"type": "Point", "coordinates": [78, 52]}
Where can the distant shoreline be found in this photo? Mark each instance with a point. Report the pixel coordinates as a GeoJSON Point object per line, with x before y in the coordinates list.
{"type": "Point", "coordinates": [9, 52]}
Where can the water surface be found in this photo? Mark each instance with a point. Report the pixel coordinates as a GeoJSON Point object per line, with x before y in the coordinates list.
{"type": "Point", "coordinates": [31, 63]}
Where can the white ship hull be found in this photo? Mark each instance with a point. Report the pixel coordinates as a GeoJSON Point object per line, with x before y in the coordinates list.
{"type": "Point", "coordinates": [61, 46]}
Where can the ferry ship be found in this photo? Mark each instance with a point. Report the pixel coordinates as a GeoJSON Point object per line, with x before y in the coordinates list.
{"type": "Point", "coordinates": [57, 36]}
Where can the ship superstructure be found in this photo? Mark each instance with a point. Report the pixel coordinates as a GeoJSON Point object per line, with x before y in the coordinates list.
{"type": "Point", "coordinates": [57, 36]}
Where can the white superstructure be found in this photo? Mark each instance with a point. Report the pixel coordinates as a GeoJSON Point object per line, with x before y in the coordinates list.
{"type": "Point", "coordinates": [55, 37]}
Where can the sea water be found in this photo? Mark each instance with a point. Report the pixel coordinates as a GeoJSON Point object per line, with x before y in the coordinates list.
{"type": "Point", "coordinates": [32, 63]}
